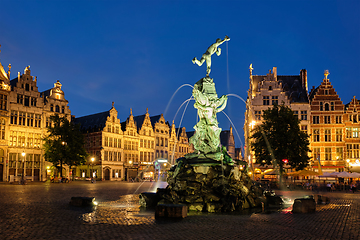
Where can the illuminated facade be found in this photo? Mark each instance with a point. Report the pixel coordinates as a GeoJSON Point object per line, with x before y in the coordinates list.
{"type": "Point", "coordinates": [24, 116]}
{"type": "Point", "coordinates": [333, 127]}
{"type": "Point", "coordinates": [129, 149]}
{"type": "Point", "coordinates": [266, 90]}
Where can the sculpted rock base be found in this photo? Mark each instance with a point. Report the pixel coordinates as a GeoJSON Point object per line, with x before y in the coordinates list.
{"type": "Point", "coordinates": [210, 187]}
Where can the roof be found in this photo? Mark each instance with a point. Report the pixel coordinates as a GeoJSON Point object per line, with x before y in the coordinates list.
{"type": "Point", "coordinates": [93, 123]}
{"type": "Point", "coordinates": [224, 137]}
{"type": "Point", "coordinates": [291, 85]}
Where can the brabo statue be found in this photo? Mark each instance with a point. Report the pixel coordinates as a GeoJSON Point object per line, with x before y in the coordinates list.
{"type": "Point", "coordinates": [214, 48]}
{"type": "Point", "coordinates": [206, 139]}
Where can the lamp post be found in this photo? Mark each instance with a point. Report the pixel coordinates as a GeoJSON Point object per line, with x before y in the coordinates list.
{"type": "Point", "coordinates": [348, 164]}
{"type": "Point", "coordinates": [92, 167]}
{"type": "Point", "coordinates": [22, 177]}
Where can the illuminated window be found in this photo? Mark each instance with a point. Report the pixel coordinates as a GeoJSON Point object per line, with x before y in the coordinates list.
{"type": "Point", "coordinates": [339, 153]}
{"type": "Point", "coordinates": [304, 128]}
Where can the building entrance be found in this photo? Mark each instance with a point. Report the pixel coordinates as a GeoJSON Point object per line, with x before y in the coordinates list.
{"type": "Point", "coordinates": [107, 174]}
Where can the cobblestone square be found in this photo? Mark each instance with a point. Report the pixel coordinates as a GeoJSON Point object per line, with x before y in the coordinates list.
{"type": "Point", "coordinates": [42, 211]}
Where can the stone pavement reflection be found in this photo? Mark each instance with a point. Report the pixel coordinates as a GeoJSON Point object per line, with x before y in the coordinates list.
{"type": "Point", "coordinates": [42, 211]}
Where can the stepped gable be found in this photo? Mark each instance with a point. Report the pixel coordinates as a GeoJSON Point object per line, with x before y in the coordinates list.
{"type": "Point", "coordinates": [325, 94]}
{"type": "Point", "coordinates": [353, 106]}
{"type": "Point", "coordinates": [294, 86]}
{"type": "Point", "coordinates": [142, 119]}
{"type": "Point", "coordinates": [130, 122]}
{"type": "Point", "coordinates": [92, 123]}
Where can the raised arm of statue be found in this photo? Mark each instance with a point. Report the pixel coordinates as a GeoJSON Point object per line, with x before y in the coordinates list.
{"type": "Point", "coordinates": [206, 57]}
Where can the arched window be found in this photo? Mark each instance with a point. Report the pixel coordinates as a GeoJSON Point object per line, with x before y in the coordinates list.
{"type": "Point", "coordinates": [51, 107]}
{"type": "Point", "coordinates": [57, 108]}
{"type": "Point", "coordinates": [326, 107]}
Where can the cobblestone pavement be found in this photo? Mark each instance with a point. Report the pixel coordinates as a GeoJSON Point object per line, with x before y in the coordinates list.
{"type": "Point", "coordinates": [42, 211]}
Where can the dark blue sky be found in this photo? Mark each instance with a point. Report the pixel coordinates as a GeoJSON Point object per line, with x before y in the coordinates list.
{"type": "Point", "coordinates": [137, 53]}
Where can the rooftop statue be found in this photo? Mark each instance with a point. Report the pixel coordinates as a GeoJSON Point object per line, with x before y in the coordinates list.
{"type": "Point", "coordinates": [214, 48]}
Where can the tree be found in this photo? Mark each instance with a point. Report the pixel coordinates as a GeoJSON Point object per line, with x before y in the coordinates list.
{"type": "Point", "coordinates": [64, 143]}
{"type": "Point", "coordinates": [278, 139]}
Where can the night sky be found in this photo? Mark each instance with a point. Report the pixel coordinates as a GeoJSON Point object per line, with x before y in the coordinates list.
{"type": "Point", "coordinates": [138, 53]}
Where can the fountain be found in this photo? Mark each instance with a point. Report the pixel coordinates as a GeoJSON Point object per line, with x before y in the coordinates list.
{"type": "Point", "coordinates": [208, 180]}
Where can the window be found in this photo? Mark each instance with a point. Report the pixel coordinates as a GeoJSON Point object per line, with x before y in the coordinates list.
{"type": "Point", "coordinates": [57, 108]}
{"type": "Point", "coordinates": [321, 106]}
{"type": "Point", "coordinates": [349, 150]}
{"type": "Point", "coordinates": [316, 154]}
{"type": "Point", "coordinates": [51, 107]}
{"type": "Point", "coordinates": [339, 153]}
{"type": "Point", "coordinates": [326, 92]}
{"type": "Point", "coordinates": [30, 119]}
{"type": "Point", "coordinates": [296, 113]}
{"type": "Point", "coordinates": [303, 115]}
{"type": "Point", "coordinates": [20, 99]}
{"type": "Point", "coordinates": [274, 100]}
{"type": "Point", "coordinates": [2, 128]}
{"type": "Point", "coordinates": [62, 109]}
{"type": "Point", "coordinates": [356, 150]}
{"type": "Point", "coordinates": [257, 115]}
{"type": "Point", "coordinates": [327, 154]}
{"type": "Point", "coordinates": [3, 101]}
{"type": "Point", "coordinates": [27, 101]}
{"type": "Point", "coordinates": [316, 119]}
{"type": "Point", "coordinates": [338, 119]}
{"type": "Point", "coordinates": [266, 100]}
{"type": "Point", "coordinates": [316, 135]}
{"type": "Point", "coordinates": [22, 118]}
{"type": "Point", "coordinates": [110, 142]}
{"type": "Point", "coordinates": [327, 135]}
{"type": "Point", "coordinates": [332, 106]}
{"type": "Point", "coordinates": [270, 88]}
{"type": "Point", "coordinates": [355, 133]}
{"type": "Point", "coordinates": [304, 128]}
{"type": "Point", "coordinates": [33, 101]}
{"type": "Point", "coordinates": [27, 87]}
{"type": "Point", "coordinates": [338, 134]}
{"type": "Point", "coordinates": [326, 107]}
{"type": "Point", "coordinates": [327, 119]}
{"type": "Point", "coordinates": [37, 120]}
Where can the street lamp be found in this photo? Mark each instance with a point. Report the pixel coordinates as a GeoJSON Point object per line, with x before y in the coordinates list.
{"type": "Point", "coordinates": [348, 164]}
{"type": "Point", "coordinates": [23, 154]}
{"type": "Point", "coordinates": [92, 166]}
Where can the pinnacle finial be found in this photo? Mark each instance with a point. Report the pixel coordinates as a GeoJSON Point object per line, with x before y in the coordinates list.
{"type": "Point", "coordinates": [251, 69]}
{"type": "Point", "coordinates": [326, 73]}
{"type": "Point", "coordinates": [112, 104]}
{"type": "Point", "coordinates": [130, 111]}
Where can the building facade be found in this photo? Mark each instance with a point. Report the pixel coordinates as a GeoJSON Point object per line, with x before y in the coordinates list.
{"type": "Point", "coordinates": [333, 127]}
{"type": "Point", "coordinates": [266, 90]}
{"type": "Point", "coordinates": [24, 115]}
{"type": "Point", "coordinates": [140, 147]}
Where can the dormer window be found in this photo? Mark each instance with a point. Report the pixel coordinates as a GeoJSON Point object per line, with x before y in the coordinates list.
{"type": "Point", "coordinates": [27, 87]}
{"type": "Point", "coordinates": [326, 92]}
